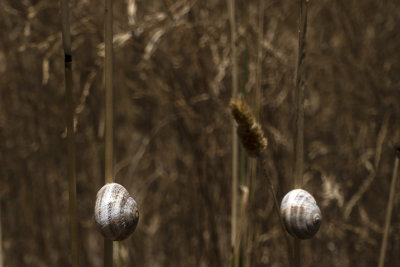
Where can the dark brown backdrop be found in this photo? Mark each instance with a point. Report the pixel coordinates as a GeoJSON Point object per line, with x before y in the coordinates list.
{"type": "Point", "coordinates": [173, 132]}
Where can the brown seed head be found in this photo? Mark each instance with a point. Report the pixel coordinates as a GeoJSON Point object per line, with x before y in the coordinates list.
{"type": "Point", "coordinates": [248, 129]}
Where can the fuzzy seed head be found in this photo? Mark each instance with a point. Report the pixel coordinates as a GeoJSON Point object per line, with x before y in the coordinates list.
{"type": "Point", "coordinates": [248, 129]}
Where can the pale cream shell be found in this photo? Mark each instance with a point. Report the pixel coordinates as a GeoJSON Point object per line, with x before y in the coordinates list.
{"type": "Point", "coordinates": [116, 212]}
{"type": "Point", "coordinates": [301, 214]}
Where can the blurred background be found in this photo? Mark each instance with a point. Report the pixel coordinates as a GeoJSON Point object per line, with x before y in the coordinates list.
{"type": "Point", "coordinates": [173, 148]}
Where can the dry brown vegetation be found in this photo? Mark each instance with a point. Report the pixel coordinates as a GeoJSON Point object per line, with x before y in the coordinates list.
{"type": "Point", "coordinates": [172, 128]}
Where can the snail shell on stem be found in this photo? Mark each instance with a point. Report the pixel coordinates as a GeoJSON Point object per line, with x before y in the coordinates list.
{"type": "Point", "coordinates": [116, 212]}
{"type": "Point", "coordinates": [300, 213]}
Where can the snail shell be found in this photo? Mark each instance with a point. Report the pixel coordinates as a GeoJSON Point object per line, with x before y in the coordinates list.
{"type": "Point", "coordinates": [116, 212]}
{"type": "Point", "coordinates": [300, 213]}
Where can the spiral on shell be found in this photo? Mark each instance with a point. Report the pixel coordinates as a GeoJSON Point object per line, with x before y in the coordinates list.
{"type": "Point", "coordinates": [116, 212]}
{"type": "Point", "coordinates": [300, 213]}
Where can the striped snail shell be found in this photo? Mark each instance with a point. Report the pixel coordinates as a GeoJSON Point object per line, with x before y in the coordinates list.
{"type": "Point", "coordinates": [116, 212]}
{"type": "Point", "coordinates": [300, 213]}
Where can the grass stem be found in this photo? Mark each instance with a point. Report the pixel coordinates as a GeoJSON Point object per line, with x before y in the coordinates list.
{"type": "Point", "coordinates": [389, 210]}
{"type": "Point", "coordinates": [109, 136]}
{"type": "Point", "coordinates": [108, 80]}
{"type": "Point", "coordinates": [70, 130]}
{"type": "Point", "coordinates": [263, 164]}
{"type": "Point", "coordinates": [300, 86]}
{"type": "Point", "coordinates": [257, 110]}
{"type": "Point", "coordinates": [1, 241]}
{"type": "Point", "coordinates": [235, 152]}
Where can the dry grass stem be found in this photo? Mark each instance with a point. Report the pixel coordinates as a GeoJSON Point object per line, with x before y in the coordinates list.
{"type": "Point", "coordinates": [249, 130]}
{"type": "Point", "coordinates": [1, 242]}
{"type": "Point", "coordinates": [252, 163]}
{"type": "Point", "coordinates": [277, 207]}
{"type": "Point", "coordinates": [69, 107]}
{"type": "Point", "coordinates": [108, 80]}
{"type": "Point", "coordinates": [252, 137]}
{"type": "Point", "coordinates": [300, 87]}
{"type": "Point", "coordinates": [109, 135]}
{"type": "Point", "coordinates": [244, 190]}
{"type": "Point", "coordinates": [389, 209]}
{"type": "Point", "coordinates": [235, 147]}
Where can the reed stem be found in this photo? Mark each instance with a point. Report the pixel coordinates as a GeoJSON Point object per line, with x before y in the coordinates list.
{"type": "Point", "coordinates": [108, 79]}
{"type": "Point", "coordinates": [257, 110]}
{"type": "Point", "coordinates": [389, 210]}
{"type": "Point", "coordinates": [109, 136]}
{"type": "Point", "coordinates": [300, 86]}
{"type": "Point", "coordinates": [65, 21]}
{"type": "Point", "coordinates": [263, 164]}
{"type": "Point", "coordinates": [235, 153]}
{"type": "Point", "coordinates": [1, 241]}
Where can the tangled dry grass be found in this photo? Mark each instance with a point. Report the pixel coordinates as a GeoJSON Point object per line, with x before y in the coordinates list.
{"type": "Point", "coordinates": [172, 128]}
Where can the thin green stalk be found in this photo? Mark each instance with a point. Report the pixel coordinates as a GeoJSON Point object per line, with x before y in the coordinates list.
{"type": "Point", "coordinates": [70, 131]}
{"type": "Point", "coordinates": [235, 154]}
{"type": "Point", "coordinates": [250, 225]}
{"type": "Point", "coordinates": [253, 140]}
{"type": "Point", "coordinates": [263, 164]}
{"type": "Point", "coordinates": [241, 244]}
{"type": "Point", "coordinates": [1, 242]}
{"type": "Point", "coordinates": [242, 221]}
{"type": "Point", "coordinates": [257, 108]}
{"type": "Point", "coordinates": [300, 86]}
{"type": "Point", "coordinates": [389, 210]}
{"type": "Point", "coordinates": [108, 80]}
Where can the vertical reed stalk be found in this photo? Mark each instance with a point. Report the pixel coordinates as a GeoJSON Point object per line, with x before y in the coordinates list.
{"type": "Point", "coordinates": [300, 86]}
{"type": "Point", "coordinates": [263, 164]}
{"type": "Point", "coordinates": [257, 107]}
{"type": "Point", "coordinates": [242, 221]}
{"type": "Point", "coordinates": [70, 130]}
{"type": "Point", "coordinates": [253, 140]}
{"type": "Point", "coordinates": [1, 242]}
{"type": "Point", "coordinates": [235, 154]}
{"type": "Point", "coordinates": [251, 210]}
{"type": "Point", "coordinates": [252, 174]}
{"type": "Point", "coordinates": [389, 210]}
{"type": "Point", "coordinates": [108, 81]}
